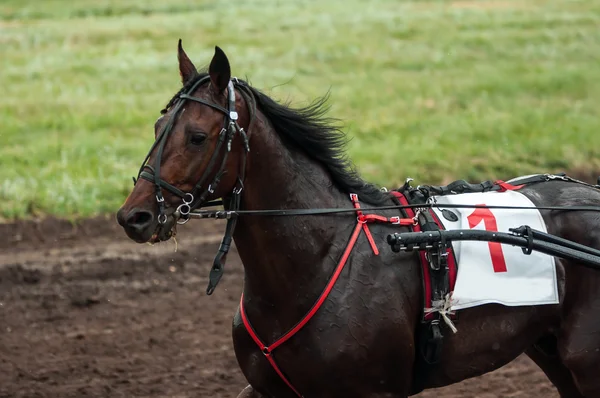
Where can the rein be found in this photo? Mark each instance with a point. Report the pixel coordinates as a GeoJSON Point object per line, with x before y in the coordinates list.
{"type": "Point", "coordinates": [228, 214]}
{"type": "Point", "coordinates": [428, 190]}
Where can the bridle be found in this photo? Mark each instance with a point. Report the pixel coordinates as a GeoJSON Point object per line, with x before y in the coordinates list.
{"type": "Point", "coordinates": [201, 190]}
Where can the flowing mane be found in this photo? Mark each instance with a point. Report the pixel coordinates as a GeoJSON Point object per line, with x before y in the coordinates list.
{"type": "Point", "coordinates": [309, 130]}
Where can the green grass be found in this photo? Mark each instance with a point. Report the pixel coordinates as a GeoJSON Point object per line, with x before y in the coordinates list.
{"type": "Point", "coordinates": [435, 90]}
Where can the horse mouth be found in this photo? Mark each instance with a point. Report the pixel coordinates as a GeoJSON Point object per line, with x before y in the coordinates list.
{"type": "Point", "coordinates": [164, 232]}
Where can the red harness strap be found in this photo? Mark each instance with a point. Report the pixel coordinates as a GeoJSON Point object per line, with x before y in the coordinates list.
{"type": "Point", "coordinates": [363, 219]}
{"type": "Point", "coordinates": [508, 187]}
{"type": "Point", "coordinates": [424, 263]}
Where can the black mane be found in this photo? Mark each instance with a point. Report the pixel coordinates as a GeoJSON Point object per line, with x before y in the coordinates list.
{"type": "Point", "coordinates": [309, 130]}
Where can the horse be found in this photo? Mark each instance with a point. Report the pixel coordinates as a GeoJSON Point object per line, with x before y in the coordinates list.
{"type": "Point", "coordinates": [304, 326]}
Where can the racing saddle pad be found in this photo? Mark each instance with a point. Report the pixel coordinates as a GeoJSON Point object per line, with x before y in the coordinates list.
{"type": "Point", "coordinates": [492, 272]}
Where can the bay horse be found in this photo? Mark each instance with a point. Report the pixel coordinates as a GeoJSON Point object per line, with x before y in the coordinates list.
{"type": "Point", "coordinates": [219, 137]}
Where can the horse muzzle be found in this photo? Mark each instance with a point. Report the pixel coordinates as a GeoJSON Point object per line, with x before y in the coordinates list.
{"type": "Point", "coordinates": [143, 226]}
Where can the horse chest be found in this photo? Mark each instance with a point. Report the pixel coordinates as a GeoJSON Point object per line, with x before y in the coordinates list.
{"type": "Point", "coordinates": [361, 353]}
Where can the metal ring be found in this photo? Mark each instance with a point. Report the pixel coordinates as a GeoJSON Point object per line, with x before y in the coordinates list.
{"type": "Point", "coordinates": [162, 218]}
{"type": "Point", "coordinates": [184, 209]}
{"type": "Point", "coordinates": [187, 202]}
{"type": "Point", "coordinates": [184, 221]}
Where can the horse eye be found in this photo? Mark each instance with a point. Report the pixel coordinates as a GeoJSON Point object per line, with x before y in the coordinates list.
{"type": "Point", "coordinates": [197, 138]}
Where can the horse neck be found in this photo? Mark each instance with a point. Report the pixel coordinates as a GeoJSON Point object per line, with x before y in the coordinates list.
{"type": "Point", "coordinates": [287, 259]}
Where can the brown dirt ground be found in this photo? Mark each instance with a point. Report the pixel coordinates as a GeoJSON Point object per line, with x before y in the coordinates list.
{"type": "Point", "coordinates": [86, 312]}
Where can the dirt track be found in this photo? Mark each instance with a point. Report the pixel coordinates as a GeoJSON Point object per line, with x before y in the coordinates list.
{"type": "Point", "coordinates": [85, 312]}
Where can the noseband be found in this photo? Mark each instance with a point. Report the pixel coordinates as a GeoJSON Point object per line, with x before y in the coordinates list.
{"type": "Point", "coordinates": [197, 197]}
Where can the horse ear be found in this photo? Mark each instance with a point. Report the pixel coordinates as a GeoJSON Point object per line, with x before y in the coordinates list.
{"type": "Point", "coordinates": [187, 70]}
{"type": "Point", "coordinates": [219, 71]}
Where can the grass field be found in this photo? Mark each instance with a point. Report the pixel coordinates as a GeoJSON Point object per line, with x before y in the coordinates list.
{"type": "Point", "coordinates": [435, 90]}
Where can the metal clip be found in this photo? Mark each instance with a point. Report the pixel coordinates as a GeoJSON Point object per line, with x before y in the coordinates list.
{"type": "Point", "coordinates": [555, 177]}
{"type": "Point", "coordinates": [416, 217]}
{"type": "Point", "coordinates": [223, 214]}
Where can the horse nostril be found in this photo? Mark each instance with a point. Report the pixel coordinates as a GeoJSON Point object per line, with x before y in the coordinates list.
{"type": "Point", "coordinates": [139, 219]}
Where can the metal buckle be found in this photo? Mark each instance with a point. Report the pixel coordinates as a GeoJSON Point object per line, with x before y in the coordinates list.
{"type": "Point", "coordinates": [395, 220]}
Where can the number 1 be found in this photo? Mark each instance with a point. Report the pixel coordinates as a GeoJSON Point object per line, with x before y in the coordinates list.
{"type": "Point", "coordinates": [489, 222]}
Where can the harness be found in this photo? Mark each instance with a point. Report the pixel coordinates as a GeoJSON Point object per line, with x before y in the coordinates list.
{"type": "Point", "coordinates": [362, 221]}
{"type": "Point", "coordinates": [439, 265]}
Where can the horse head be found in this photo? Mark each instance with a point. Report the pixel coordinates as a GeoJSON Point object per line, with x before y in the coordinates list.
{"type": "Point", "coordinates": [198, 154]}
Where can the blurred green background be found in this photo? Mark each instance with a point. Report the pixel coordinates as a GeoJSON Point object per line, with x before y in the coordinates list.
{"type": "Point", "coordinates": [434, 90]}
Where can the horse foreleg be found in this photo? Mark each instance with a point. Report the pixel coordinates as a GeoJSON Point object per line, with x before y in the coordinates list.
{"type": "Point", "coordinates": [581, 354]}
{"type": "Point", "coordinates": [558, 373]}
{"type": "Point", "coordinates": [579, 341]}
{"type": "Point", "coordinates": [250, 392]}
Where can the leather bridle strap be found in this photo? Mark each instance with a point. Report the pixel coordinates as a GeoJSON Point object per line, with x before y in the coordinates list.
{"type": "Point", "coordinates": [216, 271]}
{"type": "Point", "coordinates": [230, 127]}
{"type": "Point", "coordinates": [191, 199]}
